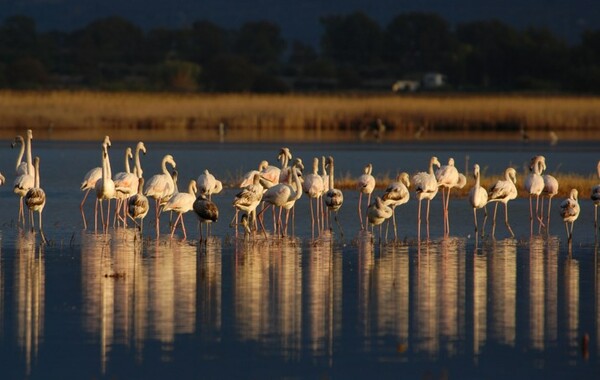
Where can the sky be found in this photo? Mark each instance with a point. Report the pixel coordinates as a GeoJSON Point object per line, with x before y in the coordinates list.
{"type": "Point", "coordinates": [299, 19]}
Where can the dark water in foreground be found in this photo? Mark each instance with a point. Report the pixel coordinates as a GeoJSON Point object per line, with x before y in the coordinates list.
{"type": "Point", "coordinates": [118, 306]}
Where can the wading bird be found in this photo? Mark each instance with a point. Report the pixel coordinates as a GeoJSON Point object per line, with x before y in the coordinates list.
{"type": "Point", "coordinates": [534, 184]}
{"type": "Point", "coordinates": [181, 203]}
{"type": "Point", "coordinates": [138, 205]}
{"type": "Point", "coordinates": [550, 190]}
{"type": "Point", "coordinates": [595, 196]}
{"type": "Point", "coordinates": [426, 187]}
{"type": "Point", "coordinates": [569, 210]}
{"type": "Point", "coordinates": [207, 212]}
{"type": "Point", "coordinates": [208, 184]}
{"type": "Point", "coordinates": [35, 199]}
{"type": "Point", "coordinates": [377, 213]}
{"type": "Point", "coordinates": [313, 187]}
{"type": "Point", "coordinates": [396, 195]}
{"type": "Point", "coordinates": [89, 183]}
{"type": "Point", "coordinates": [447, 177]}
{"type": "Point", "coordinates": [365, 185]}
{"type": "Point", "coordinates": [25, 180]}
{"type": "Point", "coordinates": [478, 197]}
{"type": "Point", "coordinates": [160, 187]}
{"type": "Point", "coordinates": [334, 198]}
{"type": "Point", "coordinates": [504, 191]}
{"type": "Point", "coordinates": [105, 188]}
{"type": "Point", "coordinates": [247, 200]}
{"type": "Point", "coordinates": [126, 183]}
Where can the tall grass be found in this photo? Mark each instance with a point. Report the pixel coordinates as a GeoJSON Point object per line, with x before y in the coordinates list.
{"type": "Point", "coordinates": [89, 115]}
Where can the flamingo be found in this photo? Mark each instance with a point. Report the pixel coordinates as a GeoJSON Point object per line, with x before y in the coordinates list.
{"type": "Point", "coordinates": [447, 177]}
{"type": "Point", "coordinates": [365, 185]}
{"type": "Point", "coordinates": [396, 195]}
{"type": "Point", "coordinates": [89, 183]}
{"type": "Point", "coordinates": [534, 184]}
{"type": "Point", "coordinates": [208, 184]}
{"type": "Point", "coordinates": [26, 180]}
{"type": "Point", "coordinates": [426, 187]}
{"type": "Point", "coordinates": [550, 190]}
{"type": "Point", "coordinates": [478, 198]}
{"type": "Point", "coordinates": [35, 199]}
{"type": "Point", "coordinates": [160, 187]}
{"type": "Point", "coordinates": [569, 210]}
{"type": "Point", "coordinates": [334, 198]}
{"type": "Point", "coordinates": [126, 183]}
{"type": "Point", "coordinates": [138, 205]}
{"type": "Point", "coordinates": [313, 187]}
{"type": "Point", "coordinates": [248, 199]}
{"type": "Point", "coordinates": [123, 184]}
{"type": "Point", "coordinates": [595, 196]}
{"type": "Point", "coordinates": [207, 212]}
{"type": "Point", "coordinates": [248, 177]}
{"type": "Point", "coordinates": [105, 187]}
{"type": "Point", "coordinates": [284, 195]}
{"type": "Point", "coordinates": [284, 156]}
{"type": "Point", "coordinates": [377, 213]}
{"type": "Point", "coordinates": [21, 166]}
{"type": "Point", "coordinates": [325, 178]}
{"type": "Point", "coordinates": [504, 191]}
{"type": "Point", "coordinates": [182, 203]}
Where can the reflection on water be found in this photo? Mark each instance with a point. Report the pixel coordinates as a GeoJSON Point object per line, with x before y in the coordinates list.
{"type": "Point", "coordinates": [29, 297]}
{"type": "Point", "coordinates": [503, 283]}
{"type": "Point", "coordinates": [130, 297]}
{"type": "Point", "coordinates": [571, 304]}
{"type": "Point", "coordinates": [210, 289]}
{"type": "Point", "coordinates": [268, 295]}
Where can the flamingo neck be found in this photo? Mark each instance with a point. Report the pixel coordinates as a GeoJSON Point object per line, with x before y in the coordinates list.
{"type": "Point", "coordinates": [331, 176]}
{"type": "Point", "coordinates": [30, 168]}
{"type": "Point", "coordinates": [138, 165]}
{"type": "Point", "coordinates": [296, 180]}
{"type": "Point", "coordinates": [164, 167]}
{"type": "Point", "coordinates": [37, 175]}
{"type": "Point", "coordinates": [21, 153]}
{"type": "Point", "coordinates": [127, 167]}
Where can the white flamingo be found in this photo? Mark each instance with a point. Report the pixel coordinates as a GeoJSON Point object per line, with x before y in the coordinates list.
{"type": "Point", "coordinates": [25, 180]}
{"type": "Point", "coordinates": [396, 195]}
{"type": "Point", "coordinates": [569, 210]}
{"type": "Point", "coordinates": [284, 156]}
{"type": "Point", "coordinates": [208, 184]}
{"type": "Point", "coordinates": [160, 187]}
{"type": "Point", "coordinates": [447, 177]}
{"type": "Point", "coordinates": [105, 188]}
{"type": "Point", "coordinates": [89, 183]}
{"type": "Point", "coordinates": [377, 213]}
{"type": "Point", "coordinates": [126, 183]}
{"type": "Point", "coordinates": [207, 212]}
{"type": "Point", "coordinates": [138, 205]}
{"type": "Point", "coordinates": [284, 195]}
{"type": "Point", "coordinates": [181, 203]}
{"type": "Point", "coordinates": [325, 178]}
{"type": "Point", "coordinates": [426, 187]}
{"type": "Point", "coordinates": [248, 199]}
{"type": "Point", "coordinates": [478, 197]}
{"type": "Point", "coordinates": [595, 196]}
{"type": "Point", "coordinates": [550, 190]}
{"type": "Point", "coordinates": [313, 187]}
{"type": "Point", "coordinates": [35, 199]}
{"type": "Point", "coordinates": [534, 184]}
{"type": "Point", "coordinates": [248, 177]}
{"type": "Point", "coordinates": [334, 198]}
{"type": "Point", "coordinates": [504, 191]}
{"type": "Point", "coordinates": [21, 166]}
{"type": "Point", "coordinates": [365, 185]}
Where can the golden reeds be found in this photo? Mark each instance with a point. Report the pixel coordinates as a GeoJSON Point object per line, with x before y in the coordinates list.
{"type": "Point", "coordinates": [89, 115]}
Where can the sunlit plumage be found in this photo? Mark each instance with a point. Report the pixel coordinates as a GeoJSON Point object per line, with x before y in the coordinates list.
{"type": "Point", "coordinates": [138, 205]}
{"type": "Point", "coordinates": [207, 212]}
{"type": "Point", "coordinates": [160, 187]}
{"type": "Point", "coordinates": [478, 198]}
{"type": "Point", "coordinates": [504, 191]}
{"type": "Point", "coordinates": [426, 187]}
{"type": "Point", "coordinates": [35, 199]}
{"type": "Point", "coordinates": [397, 194]}
{"type": "Point", "coordinates": [181, 203]}
{"type": "Point", "coordinates": [365, 185]}
{"type": "Point", "coordinates": [569, 211]}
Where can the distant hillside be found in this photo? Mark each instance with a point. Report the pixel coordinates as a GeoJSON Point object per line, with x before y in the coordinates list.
{"type": "Point", "coordinates": [300, 19]}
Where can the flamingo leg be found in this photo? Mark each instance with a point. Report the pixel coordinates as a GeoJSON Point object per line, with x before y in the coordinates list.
{"type": "Point", "coordinates": [419, 222]}
{"type": "Point", "coordinates": [107, 215]}
{"type": "Point", "coordinates": [427, 217]}
{"type": "Point", "coordinates": [367, 210]}
{"type": "Point", "coordinates": [96, 217]}
{"type": "Point", "coordinates": [506, 220]}
{"type": "Point", "coordinates": [42, 229]}
{"type": "Point", "coordinates": [81, 208]}
{"type": "Point", "coordinates": [531, 214]}
{"type": "Point", "coordinates": [539, 217]}
{"type": "Point", "coordinates": [475, 219]}
{"type": "Point", "coordinates": [549, 208]}
{"type": "Point", "coordinates": [494, 221]}
{"type": "Point", "coordinates": [183, 227]}
{"type": "Point", "coordinates": [312, 218]}
{"type": "Point", "coordinates": [102, 214]}
{"type": "Point", "coordinates": [156, 213]}
{"type": "Point", "coordinates": [485, 216]}
{"type": "Point", "coordinates": [448, 214]}
{"type": "Point", "coordinates": [362, 227]}
{"type": "Point", "coordinates": [395, 227]}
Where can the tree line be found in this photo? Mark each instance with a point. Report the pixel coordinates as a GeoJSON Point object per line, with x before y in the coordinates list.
{"type": "Point", "coordinates": [355, 53]}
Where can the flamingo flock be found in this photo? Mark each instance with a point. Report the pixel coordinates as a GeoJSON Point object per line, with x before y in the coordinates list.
{"type": "Point", "coordinates": [279, 188]}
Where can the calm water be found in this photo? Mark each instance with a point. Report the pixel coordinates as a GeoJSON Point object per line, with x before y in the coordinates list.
{"type": "Point", "coordinates": [118, 306]}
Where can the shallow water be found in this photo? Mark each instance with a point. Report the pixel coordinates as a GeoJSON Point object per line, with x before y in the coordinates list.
{"type": "Point", "coordinates": [118, 306]}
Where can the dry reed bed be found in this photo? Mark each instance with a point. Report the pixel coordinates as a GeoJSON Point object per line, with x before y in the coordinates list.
{"type": "Point", "coordinates": [294, 117]}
